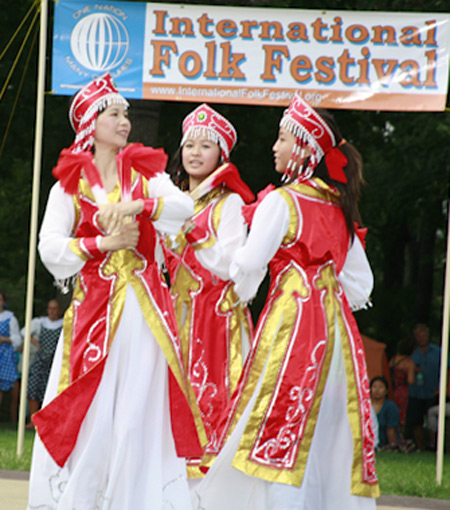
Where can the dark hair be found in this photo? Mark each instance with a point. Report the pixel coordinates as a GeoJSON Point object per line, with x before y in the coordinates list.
{"type": "Point", "coordinates": [350, 191]}
{"type": "Point", "coordinates": [177, 172]}
{"type": "Point", "coordinates": [4, 296]}
{"type": "Point", "coordinates": [406, 346]}
{"type": "Point", "coordinates": [380, 378]}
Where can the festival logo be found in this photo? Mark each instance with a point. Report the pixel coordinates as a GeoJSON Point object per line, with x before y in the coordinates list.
{"type": "Point", "coordinates": [99, 42]}
{"type": "Point", "coordinates": [92, 38]}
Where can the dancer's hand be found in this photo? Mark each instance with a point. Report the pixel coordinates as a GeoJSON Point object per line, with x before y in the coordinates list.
{"type": "Point", "coordinates": [111, 216]}
{"type": "Point", "coordinates": [125, 238]}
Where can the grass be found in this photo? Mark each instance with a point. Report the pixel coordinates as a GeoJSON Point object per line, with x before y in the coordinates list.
{"type": "Point", "coordinates": [8, 448]}
{"type": "Point", "coordinates": [411, 474]}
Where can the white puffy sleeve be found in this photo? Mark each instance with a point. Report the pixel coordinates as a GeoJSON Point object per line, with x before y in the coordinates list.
{"type": "Point", "coordinates": [56, 235]}
{"type": "Point", "coordinates": [270, 224]}
{"type": "Point", "coordinates": [356, 276]}
{"type": "Point", "coordinates": [14, 333]}
{"type": "Point", "coordinates": [231, 235]}
{"type": "Point", "coordinates": [172, 208]}
{"type": "Point", "coordinates": [35, 328]}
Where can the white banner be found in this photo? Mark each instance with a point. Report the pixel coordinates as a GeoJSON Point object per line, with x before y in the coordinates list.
{"type": "Point", "coordinates": [337, 59]}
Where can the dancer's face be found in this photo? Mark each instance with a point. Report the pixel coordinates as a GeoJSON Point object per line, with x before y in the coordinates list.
{"type": "Point", "coordinates": [282, 149]}
{"type": "Point", "coordinates": [113, 127]}
{"type": "Point", "coordinates": [200, 158]}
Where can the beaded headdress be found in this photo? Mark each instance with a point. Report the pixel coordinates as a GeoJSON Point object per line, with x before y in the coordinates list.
{"type": "Point", "coordinates": [93, 97]}
{"type": "Point", "coordinates": [309, 128]}
{"type": "Point", "coordinates": [215, 126]}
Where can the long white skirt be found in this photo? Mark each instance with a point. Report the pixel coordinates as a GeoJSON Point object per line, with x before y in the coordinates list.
{"type": "Point", "coordinates": [326, 483]}
{"type": "Point", "coordinates": [124, 458]}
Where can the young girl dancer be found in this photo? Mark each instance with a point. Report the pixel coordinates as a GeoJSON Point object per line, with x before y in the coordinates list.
{"type": "Point", "coordinates": [215, 328]}
{"type": "Point", "coordinates": [105, 435]}
{"type": "Point", "coordinates": [300, 421]}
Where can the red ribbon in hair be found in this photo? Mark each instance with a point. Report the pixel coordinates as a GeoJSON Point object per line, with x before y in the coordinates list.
{"type": "Point", "coordinates": [336, 161]}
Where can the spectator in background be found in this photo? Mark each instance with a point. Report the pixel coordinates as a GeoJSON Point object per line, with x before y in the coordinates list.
{"type": "Point", "coordinates": [403, 373]}
{"type": "Point", "coordinates": [387, 414]}
{"type": "Point", "coordinates": [423, 392]}
{"type": "Point", "coordinates": [10, 341]}
{"type": "Point", "coordinates": [45, 333]}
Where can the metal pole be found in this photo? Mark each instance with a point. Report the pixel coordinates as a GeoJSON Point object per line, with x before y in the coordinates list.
{"type": "Point", "coordinates": [33, 224]}
{"type": "Point", "coordinates": [444, 357]}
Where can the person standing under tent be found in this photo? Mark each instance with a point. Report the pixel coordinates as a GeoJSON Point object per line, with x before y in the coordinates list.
{"type": "Point", "coordinates": [215, 329]}
{"type": "Point", "coordinates": [105, 438]}
{"type": "Point", "coordinates": [298, 433]}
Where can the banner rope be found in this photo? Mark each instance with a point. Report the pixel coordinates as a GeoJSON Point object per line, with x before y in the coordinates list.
{"type": "Point", "coordinates": [18, 29]}
{"type": "Point", "coordinates": [19, 90]}
{"type": "Point", "coordinates": [19, 53]}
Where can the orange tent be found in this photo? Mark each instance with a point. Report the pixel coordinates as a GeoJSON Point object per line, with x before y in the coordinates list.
{"type": "Point", "coordinates": [376, 360]}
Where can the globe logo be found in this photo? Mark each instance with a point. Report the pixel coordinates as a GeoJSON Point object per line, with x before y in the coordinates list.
{"type": "Point", "coordinates": [99, 42]}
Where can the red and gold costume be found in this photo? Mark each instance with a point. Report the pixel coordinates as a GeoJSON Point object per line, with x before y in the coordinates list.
{"type": "Point", "coordinates": [298, 431]}
{"type": "Point", "coordinates": [119, 411]}
{"type": "Point", "coordinates": [215, 327]}
{"type": "Point", "coordinates": [304, 307]}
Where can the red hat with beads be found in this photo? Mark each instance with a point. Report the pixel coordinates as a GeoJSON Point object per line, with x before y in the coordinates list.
{"type": "Point", "coordinates": [93, 97]}
{"type": "Point", "coordinates": [310, 129]}
{"type": "Point", "coordinates": [218, 129]}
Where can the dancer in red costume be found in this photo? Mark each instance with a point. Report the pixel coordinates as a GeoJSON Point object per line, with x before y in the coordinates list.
{"type": "Point", "coordinates": [298, 432]}
{"type": "Point", "coordinates": [215, 329]}
{"type": "Point", "coordinates": [106, 438]}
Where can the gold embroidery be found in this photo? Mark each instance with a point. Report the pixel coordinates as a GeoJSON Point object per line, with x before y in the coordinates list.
{"type": "Point", "coordinates": [186, 285]}
{"type": "Point", "coordinates": [278, 331]}
{"type": "Point", "coordinates": [64, 377]}
{"type": "Point", "coordinates": [228, 306]}
{"type": "Point", "coordinates": [294, 229]}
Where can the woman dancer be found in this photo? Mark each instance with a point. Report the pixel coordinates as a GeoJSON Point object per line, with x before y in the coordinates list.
{"type": "Point", "coordinates": [300, 421]}
{"type": "Point", "coordinates": [105, 435]}
{"type": "Point", "coordinates": [215, 328]}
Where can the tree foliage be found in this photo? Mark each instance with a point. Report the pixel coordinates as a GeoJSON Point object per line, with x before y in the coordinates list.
{"type": "Point", "coordinates": [404, 202]}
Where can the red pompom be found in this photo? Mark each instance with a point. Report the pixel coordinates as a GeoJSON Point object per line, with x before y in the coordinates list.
{"type": "Point", "coordinates": [69, 167]}
{"type": "Point", "coordinates": [145, 160]}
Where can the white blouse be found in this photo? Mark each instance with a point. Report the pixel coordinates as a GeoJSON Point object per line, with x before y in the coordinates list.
{"type": "Point", "coordinates": [231, 235]}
